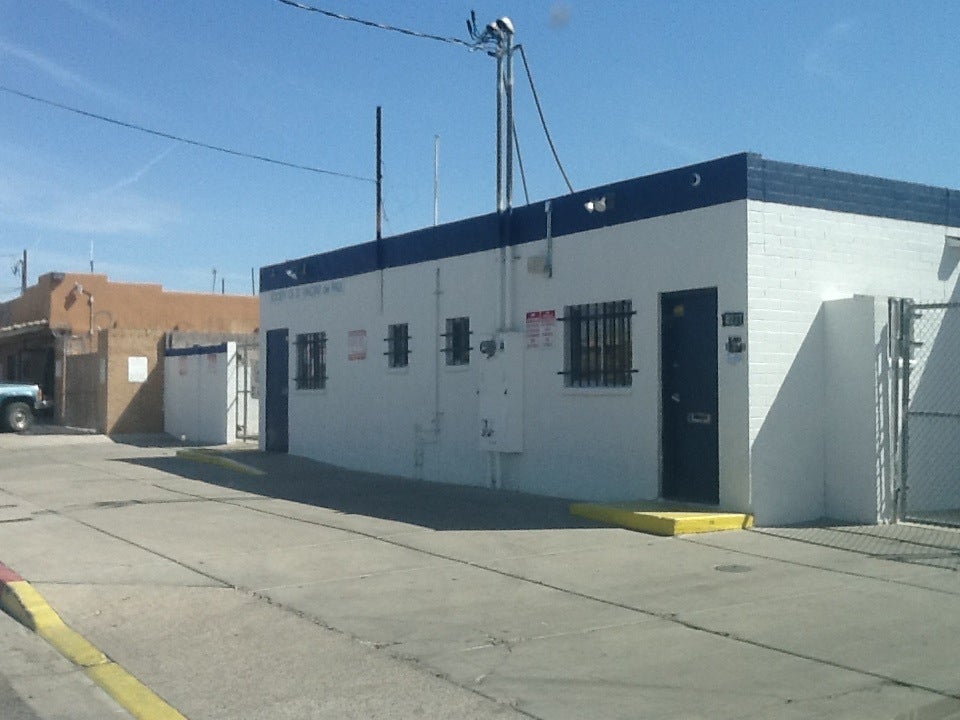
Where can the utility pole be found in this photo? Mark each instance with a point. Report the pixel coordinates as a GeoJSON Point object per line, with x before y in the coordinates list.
{"type": "Point", "coordinates": [23, 273]}
{"type": "Point", "coordinates": [380, 202]}
{"type": "Point", "coordinates": [379, 182]}
{"type": "Point", "coordinates": [497, 39]}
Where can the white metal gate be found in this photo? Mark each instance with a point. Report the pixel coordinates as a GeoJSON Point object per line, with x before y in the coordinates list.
{"type": "Point", "coordinates": [247, 391]}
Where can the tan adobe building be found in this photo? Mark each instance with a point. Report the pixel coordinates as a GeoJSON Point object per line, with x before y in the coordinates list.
{"type": "Point", "coordinates": [95, 347]}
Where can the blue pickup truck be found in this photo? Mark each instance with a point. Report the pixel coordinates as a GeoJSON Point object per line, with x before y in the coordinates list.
{"type": "Point", "coordinates": [19, 403]}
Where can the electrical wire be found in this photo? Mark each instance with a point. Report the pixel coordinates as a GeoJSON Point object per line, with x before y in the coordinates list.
{"type": "Point", "coordinates": [186, 141]}
{"type": "Point", "coordinates": [380, 26]}
{"type": "Point", "coordinates": [543, 121]}
{"type": "Point", "coordinates": [479, 41]}
{"type": "Point", "coordinates": [523, 175]}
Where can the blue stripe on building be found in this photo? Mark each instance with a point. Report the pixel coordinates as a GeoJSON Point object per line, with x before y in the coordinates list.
{"type": "Point", "coordinates": [196, 350]}
{"type": "Point", "coordinates": [736, 177]}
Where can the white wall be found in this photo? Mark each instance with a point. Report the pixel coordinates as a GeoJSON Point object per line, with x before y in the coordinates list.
{"type": "Point", "coordinates": [797, 258]}
{"type": "Point", "coordinates": [199, 396]}
{"type": "Point", "coordinates": [598, 444]}
{"type": "Point", "coordinates": [857, 479]}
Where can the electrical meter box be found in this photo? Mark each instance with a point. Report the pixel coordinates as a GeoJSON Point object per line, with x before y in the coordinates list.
{"type": "Point", "coordinates": [500, 426]}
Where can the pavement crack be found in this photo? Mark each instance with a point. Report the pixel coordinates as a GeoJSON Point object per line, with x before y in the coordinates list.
{"type": "Point", "coordinates": [660, 615]}
{"type": "Point", "coordinates": [151, 551]}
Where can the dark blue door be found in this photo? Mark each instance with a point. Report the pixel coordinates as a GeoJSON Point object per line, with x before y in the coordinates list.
{"type": "Point", "coordinates": [688, 352]}
{"type": "Point", "coordinates": [278, 390]}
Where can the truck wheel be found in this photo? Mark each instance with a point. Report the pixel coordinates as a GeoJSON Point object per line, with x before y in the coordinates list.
{"type": "Point", "coordinates": [18, 416]}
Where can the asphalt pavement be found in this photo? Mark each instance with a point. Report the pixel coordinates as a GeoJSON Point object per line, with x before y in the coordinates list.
{"type": "Point", "coordinates": [309, 591]}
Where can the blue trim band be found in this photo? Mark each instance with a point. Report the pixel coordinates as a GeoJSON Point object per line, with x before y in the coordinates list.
{"type": "Point", "coordinates": [800, 185]}
{"type": "Point", "coordinates": [727, 179]}
{"type": "Point", "coordinates": [196, 350]}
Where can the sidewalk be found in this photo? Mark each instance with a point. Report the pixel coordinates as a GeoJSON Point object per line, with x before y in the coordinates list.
{"type": "Point", "coordinates": [36, 683]}
{"type": "Point", "coordinates": [316, 592]}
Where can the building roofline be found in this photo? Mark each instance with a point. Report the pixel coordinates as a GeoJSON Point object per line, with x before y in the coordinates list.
{"type": "Point", "coordinates": [24, 328]}
{"type": "Point", "coordinates": [715, 182]}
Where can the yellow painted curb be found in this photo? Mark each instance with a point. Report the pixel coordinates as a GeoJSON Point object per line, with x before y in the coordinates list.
{"type": "Point", "coordinates": [133, 695]}
{"type": "Point", "coordinates": [212, 458]}
{"type": "Point", "coordinates": [658, 521]}
{"type": "Point", "coordinates": [20, 600]}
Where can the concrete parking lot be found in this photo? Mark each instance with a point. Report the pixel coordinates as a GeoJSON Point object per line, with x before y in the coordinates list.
{"type": "Point", "coordinates": [313, 592]}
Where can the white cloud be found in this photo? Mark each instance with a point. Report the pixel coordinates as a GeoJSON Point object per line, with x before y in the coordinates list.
{"type": "Point", "coordinates": [123, 214]}
{"type": "Point", "coordinates": [97, 16]}
{"type": "Point", "coordinates": [55, 71]}
{"type": "Point", "coordinates": [823, 58]}
{"type": "Point", "coordinates": [44, 196]}
{"type": "Point", "coordinates": [656, 137]}
{"type": "Point", "coordinates": [137, 175]}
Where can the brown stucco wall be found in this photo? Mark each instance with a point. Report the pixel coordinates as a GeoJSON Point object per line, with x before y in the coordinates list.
{"type": "Point", "coordinates": [146, 306]}
{"type": "Point", "coordinates": [132, 407]}
{"type": "Point", "coordinates": [135, 316]}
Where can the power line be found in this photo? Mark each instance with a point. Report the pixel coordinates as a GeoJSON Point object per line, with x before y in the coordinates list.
{"type": "Point", "coordinates": [480, 39]}
{"type": "Point", "coordinates": [380, 26]}
{"type": "Point", "coordinates": [186, 141]}
{"type": "Point", "coordinates": [543, 121]}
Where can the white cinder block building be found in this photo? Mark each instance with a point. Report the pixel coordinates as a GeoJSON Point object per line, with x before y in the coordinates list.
{"type": "Point", "coordinates": [714, 334]}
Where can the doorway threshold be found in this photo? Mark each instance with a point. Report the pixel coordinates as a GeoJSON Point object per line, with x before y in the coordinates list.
{"type": "Point", "coordinates": [657, 517]}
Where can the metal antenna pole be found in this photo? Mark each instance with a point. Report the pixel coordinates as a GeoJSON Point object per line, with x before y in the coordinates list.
{"type": "Point", "coordinates": [501, 202]}
{"type": "Point", "coordinates": [436, 179]}
{"type": "Point", "coordinates": [508, 140]}
{"type": "Point", "coordinates": [379, 181]}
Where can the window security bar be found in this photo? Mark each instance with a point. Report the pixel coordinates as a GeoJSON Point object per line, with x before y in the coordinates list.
{"type": "Point", "coordinates": [598, 345]}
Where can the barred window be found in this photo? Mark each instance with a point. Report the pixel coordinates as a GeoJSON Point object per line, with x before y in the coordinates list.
{"type": "Point", "coordinates": [311, 361]}
{"type": "Point", "coordinates": [598, 350]}
{"type": "Point", "coordinates": [398, 345]}
{"type": "Point", "coordinates": [457, 347]}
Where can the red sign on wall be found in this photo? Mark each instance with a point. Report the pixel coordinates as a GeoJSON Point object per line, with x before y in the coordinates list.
{"type": "Point", "coordinates": [541, 326]}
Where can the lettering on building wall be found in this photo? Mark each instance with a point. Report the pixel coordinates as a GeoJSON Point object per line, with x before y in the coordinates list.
{"type": "Point", "coordinates": [334, 287]}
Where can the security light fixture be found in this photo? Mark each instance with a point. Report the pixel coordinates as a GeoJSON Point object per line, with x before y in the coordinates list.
{"type": "Point", "coordinates": [291, 274]}
{"type": "Point", "coordinates": [599, 205]}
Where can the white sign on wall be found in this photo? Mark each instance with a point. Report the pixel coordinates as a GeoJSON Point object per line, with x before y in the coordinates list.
{"type": "Point", "coordinates": [137, 369]}
{"type": "Point", "coordinates": [541, 325]}
{"type": "Point", "coordinates": [357, 345]}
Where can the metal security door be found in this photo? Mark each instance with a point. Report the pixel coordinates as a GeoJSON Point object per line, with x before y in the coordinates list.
{"type": "Point", "coordinates": [688, 376]}
{"type": "Point", "coordinates": [278, 390]}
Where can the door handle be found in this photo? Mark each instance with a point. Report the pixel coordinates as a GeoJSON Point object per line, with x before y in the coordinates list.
{"type": "Point", "coordinates": [699, 418]}
{"type": "Point", "coordinates": [675, 397]}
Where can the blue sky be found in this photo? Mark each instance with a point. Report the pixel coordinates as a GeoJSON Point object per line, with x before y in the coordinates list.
{"type": "Point", "coordinates": [628, 88]}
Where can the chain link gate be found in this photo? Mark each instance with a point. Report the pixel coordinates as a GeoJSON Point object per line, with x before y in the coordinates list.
{"type": "Point", "coordinates": [247, 395]}
{"type": "Point", "coordinates": [927, 379]}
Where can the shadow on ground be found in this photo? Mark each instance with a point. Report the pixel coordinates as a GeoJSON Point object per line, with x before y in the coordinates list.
{"type": "Point", "coordinates": [903, 542]}
{"type": "Point", "coordinates": [432, 505]}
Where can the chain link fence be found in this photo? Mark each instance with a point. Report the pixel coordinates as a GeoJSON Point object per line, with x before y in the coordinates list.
{"type": "Point", "coordinates": [930, 426]}
{"type": "Point", "coordinates": [922, 382]}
